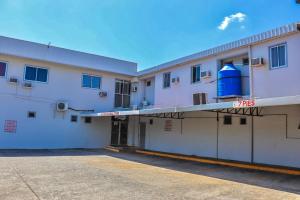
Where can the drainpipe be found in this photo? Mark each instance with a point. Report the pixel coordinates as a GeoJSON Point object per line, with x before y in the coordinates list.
{"type": "Point", "coordinates": [250, 72]}
{"type": "Point", "coordinates": [251, 97]}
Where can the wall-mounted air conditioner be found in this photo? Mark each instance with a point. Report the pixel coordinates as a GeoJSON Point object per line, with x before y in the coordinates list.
{"type": "Point", "coordinates": [103, 94]}
{"type": "Point", "coordinates": [13, 80]}
{"type": "Point", "coordinates": [62, 106]}
{"type": "Point", "coordinates": [205, 74]}
{"type": "Point", "coordinates": [257, 62]}
{"type": "Point", "coordinates": [199, 98]}
{"type": "Point", "coordinates": [134, 89]}
{"type": "Point", "coordinates": [175, 80]}
{"type": "Point", "coordinates": [27, 85]}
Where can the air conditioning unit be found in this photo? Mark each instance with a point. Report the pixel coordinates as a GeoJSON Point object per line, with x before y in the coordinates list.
{"type": "Point", "coordinates": [134, 88]}
{"type": "Point", "coordinates": [257, 62]}
{"type": "Point", "coordinates": [199, 98]}
{"type": "Point", "coordinates": [27, 85]}
{"type": "Point", "coordinates": [62, 106]}
{"type": "Point", "coordinates": [103, 94]}
{"type": "Point", "coordinates": [206, 74]}
{"type": "Point", "coordinates": [175, 80]}
{"type": "Point", "coordinates": [13, 80]}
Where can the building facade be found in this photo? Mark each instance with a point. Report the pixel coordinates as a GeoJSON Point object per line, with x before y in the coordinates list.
{"type": "Point", "coordinates": [109, 103]}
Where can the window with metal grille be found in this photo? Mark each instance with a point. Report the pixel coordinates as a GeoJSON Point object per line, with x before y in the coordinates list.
{"type": "Point", "coordinates": [227, 120]}
{"type": "Point", "coordinates": [167, 80]}
{"type": "Point", "coordinates": [199, 98]}
{"type": "Point", "coordinates": [243, 121]}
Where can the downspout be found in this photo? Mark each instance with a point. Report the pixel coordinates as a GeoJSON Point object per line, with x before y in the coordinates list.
{"type": "Point", "coordinates": [251, 97]}
{"type": "Point", "coordinates": [250, 72]}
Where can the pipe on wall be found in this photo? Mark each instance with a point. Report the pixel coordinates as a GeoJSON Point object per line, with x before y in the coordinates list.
{"type": "Point", "coordinates": [250, 72]}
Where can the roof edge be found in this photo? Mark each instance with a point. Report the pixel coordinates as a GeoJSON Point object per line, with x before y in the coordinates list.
{"type": "Point", "coordinates": [253, 39]}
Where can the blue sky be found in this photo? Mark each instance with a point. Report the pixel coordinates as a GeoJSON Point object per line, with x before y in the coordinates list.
{"type": "Point", "coordinates": [148, 32]}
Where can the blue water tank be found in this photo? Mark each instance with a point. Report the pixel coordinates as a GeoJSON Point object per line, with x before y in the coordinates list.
{"type": "Point", "coordinates": [229, 82]}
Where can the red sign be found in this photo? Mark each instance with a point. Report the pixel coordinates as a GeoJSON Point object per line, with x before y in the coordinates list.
{"type": "Point", "coordinates": [244, 103]}
{"type": "Point", "coordinates": [10, 126]}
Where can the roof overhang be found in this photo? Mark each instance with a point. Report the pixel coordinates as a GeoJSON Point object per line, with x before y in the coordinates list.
{"type": "Point", "coordinates": [257, 103]}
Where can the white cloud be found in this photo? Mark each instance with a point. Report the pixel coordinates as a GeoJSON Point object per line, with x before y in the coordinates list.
{"type": "Point", "coordinates": [239, 17]}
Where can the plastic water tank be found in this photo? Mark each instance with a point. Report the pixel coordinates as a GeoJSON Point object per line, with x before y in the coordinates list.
{"type": "Point", "coordinates": [229, 83]}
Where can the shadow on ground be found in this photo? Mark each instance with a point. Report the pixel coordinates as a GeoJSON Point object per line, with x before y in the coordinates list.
{"type": "Point", "coordinates": [281, 182]}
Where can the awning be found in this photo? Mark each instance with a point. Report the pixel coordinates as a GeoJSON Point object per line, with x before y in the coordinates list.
{"type": "Point", "coordinates": [234, 106]}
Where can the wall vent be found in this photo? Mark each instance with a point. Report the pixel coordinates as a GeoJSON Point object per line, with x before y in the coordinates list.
{"type": "Point", "coordinates": [13, 80]}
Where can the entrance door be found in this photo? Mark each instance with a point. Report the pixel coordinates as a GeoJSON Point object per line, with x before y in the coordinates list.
{"type": "Point", "coordinates": [123, 133]}
{"type": "Point", "coordinates": [119, 132]}
{"type": "Point", "coordinates": [115, 133]}
{"type": "Point", "coordinates": [142, 134]}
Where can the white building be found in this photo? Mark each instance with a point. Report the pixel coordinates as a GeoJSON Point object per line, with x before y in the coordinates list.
{"type": "Point", "coordinates": [109, 102]}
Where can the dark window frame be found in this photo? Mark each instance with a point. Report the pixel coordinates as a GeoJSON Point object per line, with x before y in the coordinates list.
{"type": "Point", "coordinates": [74, 118]}
{"type": "Point", "coordinates": [31, 114]}
{"type": "Point", "coordinates": [36, 75]}
{"type": "Point", "coordinates": [166, 80]}
{"type": "Point", "coordinates": [88, 120]}
{"type": "Point", "coordinates": [196, 74]}
{"type": "Point", "coordinates": [5, 69]}
{"type": "Point", "coordinates": [122, 93]}
{"type": "Point", "coordinates": [227, 120]}
{"type": "Point", "coordinates": [243, 121]}
{"type": "Point", "coordinates": [91, 79]}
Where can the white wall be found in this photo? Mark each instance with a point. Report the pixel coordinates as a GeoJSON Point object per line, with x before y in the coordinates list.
{"type": "Point", "coordinates": [36, 51]}
{"type": "Point", "coordinates": [199, 136]}
{"type": "Point", "coordinates": [277, 82]}
{"type": "Point", "coordinates": [275, 141]}
{"type": "Point", "coordinates": [266, 82]}
{"type": "Point", "coordinates": [51, 129]}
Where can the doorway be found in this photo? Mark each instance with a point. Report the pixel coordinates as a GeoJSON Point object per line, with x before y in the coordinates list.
{"type": "Point", "coordinates": [142, 135]}
{"type": "Point", "coordinates": [119, 132]}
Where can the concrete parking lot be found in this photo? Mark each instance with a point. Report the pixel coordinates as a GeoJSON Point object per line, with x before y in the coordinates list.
{"type": "Point", "coordinates": [99, 174]}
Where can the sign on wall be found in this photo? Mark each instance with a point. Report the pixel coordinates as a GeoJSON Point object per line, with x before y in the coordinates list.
{"type": "Point", "coordinates": [168, 125]}
{"type": "Point", "coordinates": [10, 126]}
{"type": "Point", "coordinates": [244, 103]}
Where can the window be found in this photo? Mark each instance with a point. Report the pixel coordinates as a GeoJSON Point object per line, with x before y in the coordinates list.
{"type": "Point", "coordinates": [148, 83]}
{"type": "Point", "coordinates": [196, 74]}
{"type": "Point", "coordinates": [36, 74]}
{"type": "Point", "coordinates": [166, 80]}
{"type": "Point", "coordinates": [227, 120]}
{"type": "Point", "coordinates": [278, 56]}
{"type": "Point", "coordinates": [199, 98]}
{"type": "Point", "coordinates": [89, 81]}
{"type": "Point", "coordinates": [243, 121]}
{"type": "Point", "coordinates": [31, 114]}
{"type": "Point", "coordinates": [245, 61]}
{"type": "Point", "coordinates": [74, 118]}
{"type": "Point", "coordinates": [88, 120]}
{"type": "Point", "coordinates": [122, 94]}
{"type": "Point", "coordinates": [3, 67]}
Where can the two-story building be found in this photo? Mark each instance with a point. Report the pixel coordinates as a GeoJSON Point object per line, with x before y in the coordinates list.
{"type": "Point", "coordinates": [238, 101]}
